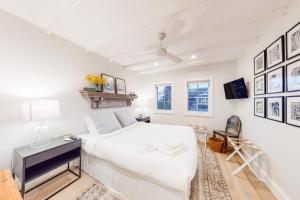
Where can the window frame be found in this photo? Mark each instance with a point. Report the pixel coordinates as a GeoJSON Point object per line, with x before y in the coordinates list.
{"type": "Point", "coordinates": [210, 112]}
{"type": "Point", "coordinates": [167, 83]}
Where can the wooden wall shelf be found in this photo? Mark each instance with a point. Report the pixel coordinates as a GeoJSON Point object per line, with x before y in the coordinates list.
{"type": "Point", "coordinates": [98, 97]}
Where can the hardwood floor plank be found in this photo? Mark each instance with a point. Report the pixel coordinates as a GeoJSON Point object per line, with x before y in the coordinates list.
{"type": "Point", "coordinates": [243, 186]}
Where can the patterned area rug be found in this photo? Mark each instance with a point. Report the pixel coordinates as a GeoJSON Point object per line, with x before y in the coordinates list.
{"type": "Point", "coordinates": [99, 192]}
{"type": "Point", "coordinates": [209, 182]}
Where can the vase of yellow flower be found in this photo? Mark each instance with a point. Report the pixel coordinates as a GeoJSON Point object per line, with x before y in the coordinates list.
{"type": "Point", "coordinates": [96, 81]}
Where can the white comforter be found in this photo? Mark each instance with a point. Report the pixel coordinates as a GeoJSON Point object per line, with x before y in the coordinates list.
{"type": "Point", "coordinates": [121, 148]}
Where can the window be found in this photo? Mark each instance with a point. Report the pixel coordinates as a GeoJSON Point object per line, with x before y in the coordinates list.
{"type": "Point", "coordinates": [164, 97]}
{"type": "Point", "coordinates": [199, 97]}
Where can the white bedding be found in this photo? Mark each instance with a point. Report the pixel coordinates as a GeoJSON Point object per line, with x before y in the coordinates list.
{"type": "Point", "coordinates": [121, 148]}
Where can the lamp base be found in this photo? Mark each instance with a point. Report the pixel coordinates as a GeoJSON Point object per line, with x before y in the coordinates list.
{"type": "Point", "coordinates": [41, 139]}
{"type": "Point", "coordinates": [40, 144]}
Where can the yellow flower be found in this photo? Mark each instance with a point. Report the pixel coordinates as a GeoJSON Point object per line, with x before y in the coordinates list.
{"type": "Point", "coordinates": [101, 81]}
{"type": "Point", "coordinates": [95, 79]}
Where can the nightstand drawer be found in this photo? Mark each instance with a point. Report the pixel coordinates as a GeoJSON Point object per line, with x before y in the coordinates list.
{"type": "Point", "coordinates": [46, 155]}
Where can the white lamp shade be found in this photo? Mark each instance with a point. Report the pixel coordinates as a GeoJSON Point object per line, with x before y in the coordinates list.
{"type": "Point", "coordinates": [38, 110]}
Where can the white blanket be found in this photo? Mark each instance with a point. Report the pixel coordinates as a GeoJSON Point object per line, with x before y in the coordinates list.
{"type": "Point", "coordinates": [121, 148]}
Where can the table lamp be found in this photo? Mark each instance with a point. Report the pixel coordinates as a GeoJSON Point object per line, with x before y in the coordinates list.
{"type": "Point", "coordinates": [40, 111]}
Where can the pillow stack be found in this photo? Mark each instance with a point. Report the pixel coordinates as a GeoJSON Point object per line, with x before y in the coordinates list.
{"type": "Point", "coordinates": [107, 122]}
{"type": "Point", "coordinates": [125, 118]}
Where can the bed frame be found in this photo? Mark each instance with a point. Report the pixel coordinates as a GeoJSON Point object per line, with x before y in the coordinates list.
{"type": "Point", "coordinates": [131, 185]}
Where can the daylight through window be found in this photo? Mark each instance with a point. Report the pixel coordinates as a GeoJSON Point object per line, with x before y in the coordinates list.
{"type": "Point", "coordinates": [198, 96]}
{"type": "Point", "coordinates": [163, 97]}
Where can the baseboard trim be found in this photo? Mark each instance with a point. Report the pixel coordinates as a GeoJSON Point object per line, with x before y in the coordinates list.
{"type": "Point", "coordinates": [270, 183]}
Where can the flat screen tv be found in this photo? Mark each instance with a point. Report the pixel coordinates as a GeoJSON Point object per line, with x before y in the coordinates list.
{"type": "Point", "coordinates": [236, 89]}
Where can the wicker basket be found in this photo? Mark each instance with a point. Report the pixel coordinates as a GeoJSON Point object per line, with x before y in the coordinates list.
{"type": "Point", "coordinates": [216, 144]}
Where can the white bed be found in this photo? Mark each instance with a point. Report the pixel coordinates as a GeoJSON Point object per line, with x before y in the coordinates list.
{"type": "Point", "coordinates": [114, 159]}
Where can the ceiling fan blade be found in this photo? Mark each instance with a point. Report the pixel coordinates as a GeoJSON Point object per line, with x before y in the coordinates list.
{"type": "Point", "coordinates": [176, 27]}
{"type": "Point", "coordinates": [174, 30]}
{"type": "Point", "coordinates": [172, 57]}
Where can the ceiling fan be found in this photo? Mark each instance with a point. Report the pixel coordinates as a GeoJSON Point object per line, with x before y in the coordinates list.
{"type": "Point", "coordinates": [161, 51]}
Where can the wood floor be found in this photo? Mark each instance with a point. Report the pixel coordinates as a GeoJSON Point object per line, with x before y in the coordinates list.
{"type": "Point", "coordinates": [244, 186]}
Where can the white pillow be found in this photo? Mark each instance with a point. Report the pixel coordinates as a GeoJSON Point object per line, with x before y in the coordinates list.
{"type": "Point", "coordinates": [125, 118]}
{"type": "Point", "coordinates": [91, 126]}
{"type": "Point", "coordinates": [105, 122]}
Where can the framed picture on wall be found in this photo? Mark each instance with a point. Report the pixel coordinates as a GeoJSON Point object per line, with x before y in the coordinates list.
{"type": "Point", "coordinates": [275, 108]}
{"type": "Point", "coordinates": [260, 85]}
{"type": "Point", "coordinates": [120, 86]}
{"type": "Point", "coordinates": [260, 63]}
{"type": "Point", "coordinates": [275, 81]}
{"type": "Point", "coordinates": [293, 110]}
{"type": "Point", "coordinates": [259, 107]}
{"type": "Point", "coordinates": [109, 85]}
{"type": "Point", "coordinates": [293, 76]}
{"type": "Point", "coordinates": [293, 42]}
{"type": "Point", "coordinates": [275, 53]}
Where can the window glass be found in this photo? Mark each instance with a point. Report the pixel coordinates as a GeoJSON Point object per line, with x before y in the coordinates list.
{"type": "Point", "coordinates": [198, 94]}
{"type": "Point", "coordinates": [163, 97]}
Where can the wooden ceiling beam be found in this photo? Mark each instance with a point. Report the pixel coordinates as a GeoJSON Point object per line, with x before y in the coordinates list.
{"type": "Point", "coordinates": [63, 15]}
{"type": "Point", "coordinates": [139, 25]}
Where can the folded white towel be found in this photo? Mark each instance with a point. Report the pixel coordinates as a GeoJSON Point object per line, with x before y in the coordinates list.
{"type": "Point", "coordinates": [171, 146]}
{"type": "Point", "coordinates": [146, 148]}
{"type": "Point", "coordinates": [174, 151]}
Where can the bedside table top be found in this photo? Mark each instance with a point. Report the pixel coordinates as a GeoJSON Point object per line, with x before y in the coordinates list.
{"type": "Point", "coordinates": [27, 150]}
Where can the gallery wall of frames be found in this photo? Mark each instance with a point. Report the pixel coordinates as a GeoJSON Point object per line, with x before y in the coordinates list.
{"type": "Point", "coordinates": [277, 79]}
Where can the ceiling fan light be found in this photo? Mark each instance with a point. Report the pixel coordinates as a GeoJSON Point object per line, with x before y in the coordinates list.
{"type": "Point", "coordinates": [194, 56]}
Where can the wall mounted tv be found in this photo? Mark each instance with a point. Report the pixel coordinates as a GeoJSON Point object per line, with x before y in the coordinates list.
{"type": "Point", "coordinates": [236, 89]}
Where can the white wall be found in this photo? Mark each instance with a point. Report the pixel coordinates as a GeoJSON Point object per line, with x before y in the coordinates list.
{"type": "Point", "coordinates": [221, 73]}
{"type": "Point", "coordinates": [36, 65]}
{"type": "Point", "coordinates": [280, 163]}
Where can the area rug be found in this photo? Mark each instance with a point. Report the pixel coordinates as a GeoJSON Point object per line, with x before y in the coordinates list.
{"type": "Point", "coordinates": [99, 192]}
{"type": "Point", "coordinates": [208, 184]}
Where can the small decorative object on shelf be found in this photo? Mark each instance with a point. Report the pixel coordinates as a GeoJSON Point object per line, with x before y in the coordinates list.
{"type": "Point", "coordinates": [98, 97]}
{"type": "Point", "coordinates": [120, 86]}
{"type": "Point", "coordinates": [143, 119]}
{"type": "Point", "coordinates": [109, 86]}
{"type": "Point", "coordinates": [96, 81]}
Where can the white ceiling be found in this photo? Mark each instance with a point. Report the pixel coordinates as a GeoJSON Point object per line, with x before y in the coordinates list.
{"type": "Point", "coordinates": [214, 30]}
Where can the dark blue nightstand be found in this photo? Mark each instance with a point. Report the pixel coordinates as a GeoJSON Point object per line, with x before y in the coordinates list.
{"type": "Point", "coordinates": [31, 163]}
